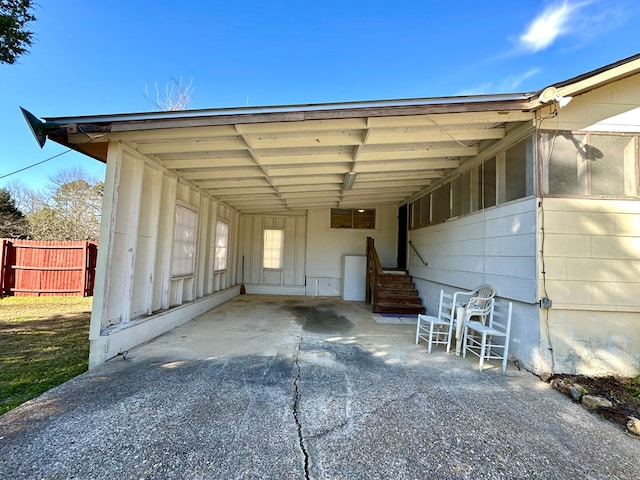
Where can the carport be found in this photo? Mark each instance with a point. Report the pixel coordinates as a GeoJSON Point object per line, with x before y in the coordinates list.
{"type": "Point", "coordinates": [460, 191]}
{"type": "Point", "coordinates": [244, 170]}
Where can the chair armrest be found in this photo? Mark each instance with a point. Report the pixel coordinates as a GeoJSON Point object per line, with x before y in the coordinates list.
{"type": "Point", "coordinates": [458, 303]}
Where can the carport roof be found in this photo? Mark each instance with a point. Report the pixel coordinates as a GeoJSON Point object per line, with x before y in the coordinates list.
{"type": "Point", "coordinates": [285, 159]}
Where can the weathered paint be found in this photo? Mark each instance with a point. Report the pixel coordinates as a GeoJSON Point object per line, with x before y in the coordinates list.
{"type": "Point", "coordinates": [134, 290]}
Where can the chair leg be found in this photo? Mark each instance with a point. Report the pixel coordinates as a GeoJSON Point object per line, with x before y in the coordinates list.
{"type": "Point", "coordinates": [451, 325]}
{"type": "Point", "coordinates": [418, 331]}
{"type": "Point", "coordinates": [505, 352]}
{"type": "Point", "coordinates": [430, 337]}
{"type": "Point", "coordinates": [483, 346]}
{"type": "Point", "coordinates": [464, 343]}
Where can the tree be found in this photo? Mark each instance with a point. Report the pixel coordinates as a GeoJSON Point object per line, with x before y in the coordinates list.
{"type": "Point", "coordinates": [28, 201]}
{"type": "Point", "coordinates": [14, 37]}
{"type": "Point", "coordinates": [13, 223]}
{"type": "Point", "coordinates": [177, 96]}
{"type": "Point", "coordinates": [78, 206]}
{"type": "Point", "coordinates": [70, 210]}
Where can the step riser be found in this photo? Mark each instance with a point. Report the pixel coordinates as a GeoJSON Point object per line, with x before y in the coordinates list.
{"type": "Point", "coordinates": [410, 301]}
{"type": "Point", "coordinates": [394, 279]}
{"type": "Point", "coordinates": [397, 294]}
{"type": "Point", "coordinates": [411, 309]}
{"type": "Point", "coordinates": [396, 286]}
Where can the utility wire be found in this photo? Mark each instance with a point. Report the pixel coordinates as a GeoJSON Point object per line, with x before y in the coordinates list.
{"type": "Point", "coordinates": [541, 163]}
{"type": "Point", "coordinates": [50, 158]}
{"type": "Point", "coordinates": [35, 164]}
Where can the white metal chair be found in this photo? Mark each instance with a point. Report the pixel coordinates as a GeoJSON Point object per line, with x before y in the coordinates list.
{"type": "Point", "coordinates": [468, 304]}
{"type": "Point", "coordinates": [437, 330]}
{"type": "Point", "coordinates": [490, 341]}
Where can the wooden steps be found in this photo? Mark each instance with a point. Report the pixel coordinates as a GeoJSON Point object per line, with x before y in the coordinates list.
{"type": "Point", "coordinates": [395, 293]}
{"type": "Point", "coordinates": [390, 290]}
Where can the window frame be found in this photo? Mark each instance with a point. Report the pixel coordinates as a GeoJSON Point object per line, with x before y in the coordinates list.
{"type": "Point", "coordinates": [353, 213]}
{"type": "Point", "coordinates": [584, 181]}
{"type": "Point", "coordinates": [191, 243]}
{"type": "Point", "coordinates": [265, 231]}
{"type": "Point", "coordinates": [218, 248]}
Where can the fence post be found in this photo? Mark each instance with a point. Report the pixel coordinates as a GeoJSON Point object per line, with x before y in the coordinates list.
{"type": "Point", "coordinates": [3, 267]}
{"type": "Point", "coordinates": [85, 270]}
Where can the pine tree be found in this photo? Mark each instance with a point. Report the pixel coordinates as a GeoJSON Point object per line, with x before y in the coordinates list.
{"type": "Point", "coordinates": [14, 36]}
{"type": "Point", "coordinates": [13, 223]}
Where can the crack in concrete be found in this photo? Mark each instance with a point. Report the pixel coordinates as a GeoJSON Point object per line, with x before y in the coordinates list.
{"type": "Point", "coordinates": [296, 404]}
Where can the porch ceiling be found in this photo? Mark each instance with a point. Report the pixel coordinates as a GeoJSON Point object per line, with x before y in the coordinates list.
{"type": "Point", "coordinates": [290, 165]}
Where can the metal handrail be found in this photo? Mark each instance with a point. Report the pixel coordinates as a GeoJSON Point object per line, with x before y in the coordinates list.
{"type": "Point", "coordinates": [418, 254]}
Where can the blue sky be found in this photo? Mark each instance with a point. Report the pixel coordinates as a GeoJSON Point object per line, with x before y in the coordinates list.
{"type": "Point", "coordinates": [96, 57]}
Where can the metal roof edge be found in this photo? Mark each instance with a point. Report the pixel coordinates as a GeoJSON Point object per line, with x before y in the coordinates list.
{"type": "Point", "coordinates": [589, 80]}
{"type": "Point", "coordinates": [293, 108]}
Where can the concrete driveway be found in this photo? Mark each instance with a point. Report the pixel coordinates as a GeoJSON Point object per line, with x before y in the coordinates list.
{"type": "Point", "coordinates": [295, 388]}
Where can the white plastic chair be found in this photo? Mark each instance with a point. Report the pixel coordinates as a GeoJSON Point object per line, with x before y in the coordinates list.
{"type": "Point", "coordinates": [490, 341]}
{"type": "Point", "coordinates": [437, 330]}
{"type": "Point", "coordinates": [468, 304]}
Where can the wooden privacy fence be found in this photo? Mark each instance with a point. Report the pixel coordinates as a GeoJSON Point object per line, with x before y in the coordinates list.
{"type": "Point", "coordinates": [34, 268]}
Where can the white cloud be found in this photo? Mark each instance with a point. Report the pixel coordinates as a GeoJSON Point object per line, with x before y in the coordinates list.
{"type": "Point", "coordinates": [483, 89]}
{"type": "Point", "coordinates": [512, 83]}
{"type": "Point", "coordinates": [554, 21]}
{"type": "Point", "coordinates": [509, 84]}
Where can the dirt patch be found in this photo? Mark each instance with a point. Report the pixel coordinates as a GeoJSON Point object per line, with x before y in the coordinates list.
{"type": "Point", "coordinates": [623, 393]}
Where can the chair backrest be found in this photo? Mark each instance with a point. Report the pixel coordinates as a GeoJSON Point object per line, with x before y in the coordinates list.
{"type": "Point", "coordinates": [461, 298]}
{"type": "Point", "coordinates": [445, 306]}
{"type": "Point", "coordinates": [480, 303]}
{"type": "Point", "coordinates": [484, 291]}
{"type": "Point", "coordinates": [500, 318]}
{"type": "Point", "coordinates": [479, 307]}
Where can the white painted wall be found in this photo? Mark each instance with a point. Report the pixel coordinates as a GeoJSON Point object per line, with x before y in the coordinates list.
{"type": "Point", "coordinates": [586, 111]}
{"type": "Point", "coordinates": [592, 258]}
{"type": "Point", "coordinates": [290, 280]}
{"type": "Point", "coordinates": [134, 290]}
{"type": "Point", "coordinates": [495, 246]}
{"type": "Point", "coordinates": [327, 246]}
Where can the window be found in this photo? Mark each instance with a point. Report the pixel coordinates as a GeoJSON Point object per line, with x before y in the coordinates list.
{"type": "Point", "coordinates": [272, 248]}
{"type": "Point", "coordinates": [590, 164]}
{"type": "Point", "coordinates": [607, 168]}
{"type": "Point", "coordinates": [517, 183]}
{"type": "Point", "coordinates": [563, 164]}
{"type": "Point", "coordinates": [441, 203]}
{"type": "Point", "coordinates": [503, 178]}
{"type": "Point", "coordinates": [414, 214]}
{"type": "Point", "coordinates": [461, 195]}
{"type": "Point", "coordinates": [222, 246]}
{"type": "Point", "coordinates": [425, 210]}
{"type": "Point", "coordinates": [488, 172]}
{"type": "Point", "coordinates": [184, 242]}
{"type": "Point", "coordinates": [353, 218]}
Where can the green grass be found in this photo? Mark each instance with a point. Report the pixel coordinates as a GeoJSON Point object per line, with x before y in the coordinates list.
{"type": "Point", "coordinates": [44, 341]}
{"type": "Point", "coordinates": [634, 387]}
